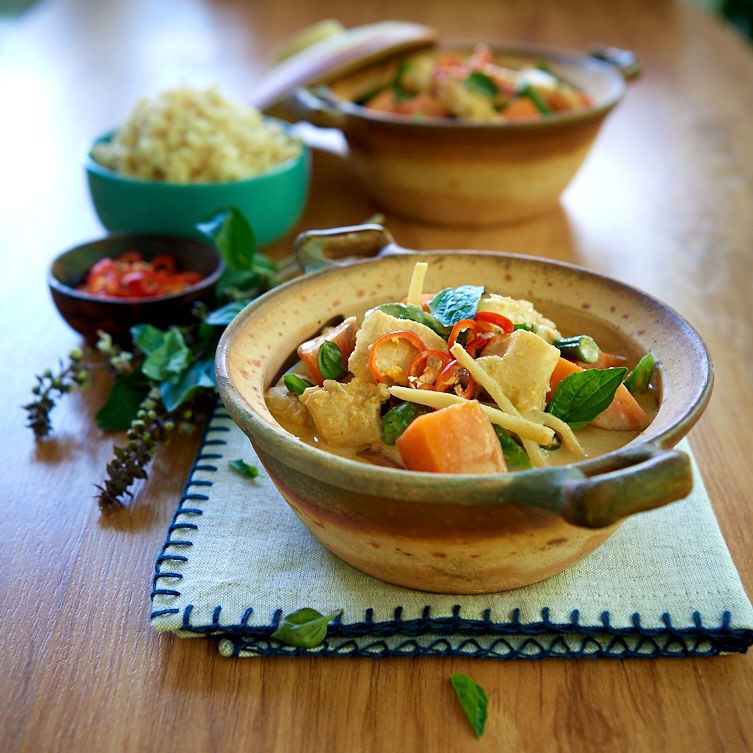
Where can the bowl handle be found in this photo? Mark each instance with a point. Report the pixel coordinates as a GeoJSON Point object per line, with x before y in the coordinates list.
{"type": "Point", "coordinates": [317, 249]}
{"type": "Point", "coordinates": [639, 479]}
{"type": "Point", "coordinates": [625, 61]}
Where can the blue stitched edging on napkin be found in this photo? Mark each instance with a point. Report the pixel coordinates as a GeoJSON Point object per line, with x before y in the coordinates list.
{"type": "Point", "coordinates": [512, 640]}
{"type": "Point", "coordinates": [428, 635]}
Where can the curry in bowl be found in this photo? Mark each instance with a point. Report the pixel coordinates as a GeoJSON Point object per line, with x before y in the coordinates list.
{"type": "Point", "coordinates": [462, 380]}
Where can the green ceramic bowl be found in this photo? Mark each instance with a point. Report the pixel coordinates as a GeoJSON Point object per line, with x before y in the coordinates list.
{"type": "Point", "coordinates": [273, 202]}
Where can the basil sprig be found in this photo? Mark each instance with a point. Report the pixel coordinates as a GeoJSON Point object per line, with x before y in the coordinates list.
{"type": "Point", "coordinates": [581, 396]}
{"type": "Point", "coordinates": [473, 700]}
{"type": "Point", "coordinates": [304, 628]}
{"type": "Point", "coordinates": [329, 360]}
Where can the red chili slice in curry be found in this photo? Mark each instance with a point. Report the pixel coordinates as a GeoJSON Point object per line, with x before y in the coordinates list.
{"type": "Point", "coordinates": [456, 379]}
{"type": "Point", "coordinates": [391, 337]}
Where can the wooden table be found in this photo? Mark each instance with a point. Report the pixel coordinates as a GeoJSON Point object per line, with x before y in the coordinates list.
{"type": "Point", "coordinates": [664, 202]}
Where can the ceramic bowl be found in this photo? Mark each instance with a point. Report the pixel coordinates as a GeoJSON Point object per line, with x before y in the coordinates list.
{"type": "Point", "coordinates": [466, 533]}
{"type": "Point", "coordinates": [463, 173]}
{"type": "Point", "coordinates": [273, 202]}
{"type": "Point", "coordinates": [87, 314]}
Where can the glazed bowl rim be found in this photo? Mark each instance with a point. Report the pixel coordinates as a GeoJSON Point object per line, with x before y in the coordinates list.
{"type": "Point", "coordinates": [305, 458]}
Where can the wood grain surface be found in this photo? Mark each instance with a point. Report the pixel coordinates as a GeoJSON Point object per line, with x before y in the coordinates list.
{"type": "Point", "coordinates": [663, 202]}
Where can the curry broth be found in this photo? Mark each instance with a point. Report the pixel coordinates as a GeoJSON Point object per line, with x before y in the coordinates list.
{"type": "Point", "coordinates": [594, 441]}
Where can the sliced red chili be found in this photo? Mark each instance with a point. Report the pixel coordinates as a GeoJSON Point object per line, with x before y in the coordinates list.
{"type": "Point", "coordinates": [130, 257]}
{"type": "Point", "coordinates": [379, 371]}
{"type": "Point", "coordinates": [143, 283]}
{"type": "Point", "coordinates": [164, 263]}
{"type": "Point", "coordinates": [494, 319]}
{"type": "Point", "coordinates": [129, 276]}
{"type": "Point", "coordinates": [468, 326]}
{"type": "Point", "coordinates": [426, 367]}
{"type": "Point", "coordinates": [456, 379]}
{"type": "Point", "coordinates": [478, 346]}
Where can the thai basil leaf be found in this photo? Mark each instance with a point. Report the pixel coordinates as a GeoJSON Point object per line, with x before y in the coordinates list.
{"type": "Point", "coordinates": [244, 469]}
{"type": "Point", "coordinates": [401, 93]}
{"type": "Point", "coordinates": [515, 455]}
{"type": "Point", "coordinates": [415, 314]}
{"type": "Point", "coordinates": [638, 380]}
{"type": "Point", "coordinates": [246, 272]}
{"type": "Point", "coordinates": [396, 420]}
{"type": "Point", "coordinates": [480, 83]}
{"type": "Point", "coordinates": [168, 361]}
{"type": "Point", "coordinates": [474, 701]}
{"type": "Point", "coordinates": [329, 360]}
{"type": "Point", "coordinates": [197, 375]}
{"type": "Point", "coordinates": [147, 338]}
{"type": "Point", "coordinates": [581, 396]}
{"type": "Point", "coordinates": [536, 98]}
{"type": "Point", "coordinates": [296, 384]}
{"type": "Point", "coordinates": [304, 628]}
{"type": "Point", "coordinates": [233, 235]}
{"type": "Point", "coordinates": [451, 305]}
{"type": "Point", "coordinates": [222, 316]}
{"type": "Point", "coordinates": [123, 402]}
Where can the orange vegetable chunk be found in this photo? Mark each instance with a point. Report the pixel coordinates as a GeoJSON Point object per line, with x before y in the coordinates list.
{"type": "Point", "coordinates": [456, 439]}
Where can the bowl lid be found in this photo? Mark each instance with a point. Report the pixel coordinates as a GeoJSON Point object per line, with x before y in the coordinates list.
{"type": "Point", "coordinates": [338, 52]}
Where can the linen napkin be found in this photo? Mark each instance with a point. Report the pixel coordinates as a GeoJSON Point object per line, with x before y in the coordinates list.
{"type": "Point", "coordinates": [236, 560]}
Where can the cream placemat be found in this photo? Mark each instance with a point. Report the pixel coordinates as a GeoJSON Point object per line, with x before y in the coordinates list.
{"type": "Point", "coordinates": [236, 560]}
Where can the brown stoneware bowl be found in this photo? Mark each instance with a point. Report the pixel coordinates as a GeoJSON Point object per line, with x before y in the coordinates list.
{"type": "Point", "coordinates": [463, 173]}
{"type": "Point", "coordinates": [87, 314]}
{"type": "Point", "coordinates": [464, 533]}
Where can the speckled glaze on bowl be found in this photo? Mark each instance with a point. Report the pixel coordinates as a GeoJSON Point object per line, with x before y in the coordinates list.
{"type": "Point", "coordinates": [461, 173]}
{"type": "Point", "coordinates": [272, 202]}
{"type": "Point", "coordinates": [463, 533]}
{"type": "Point", "coordinates": [87, 313]}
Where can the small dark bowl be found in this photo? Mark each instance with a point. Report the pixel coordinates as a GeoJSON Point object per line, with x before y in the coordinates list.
{"type": "Point", "coordinates": [87, 313]}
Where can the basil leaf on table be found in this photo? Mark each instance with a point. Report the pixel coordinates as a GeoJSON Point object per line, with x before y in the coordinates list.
{"type": "Point", "coordinates": [451, 305]}
{"type": "Point", "coordinates": [304, 628]}
{"type": "Point", "coordinates": [581, 396]}
{"type": "Point", "coordinates": [473, 699]}
{"type": "Point", "coordinates": [243, 468]}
